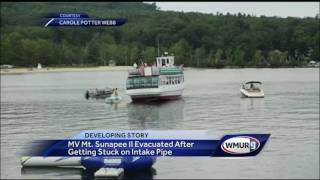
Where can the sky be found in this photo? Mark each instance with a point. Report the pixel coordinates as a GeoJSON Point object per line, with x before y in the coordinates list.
{"type": "Point", "coordinates": [280, 9]}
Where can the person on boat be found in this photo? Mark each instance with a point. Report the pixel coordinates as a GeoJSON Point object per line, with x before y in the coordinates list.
{"type": "Point", "coordinates": [87, 94]}
{"type": "Point", "coordinates": [251, 87]}
{"type": "Point", "coordinates": [115, 92]}
{"type": "Point", "coordinates": [135, 66]}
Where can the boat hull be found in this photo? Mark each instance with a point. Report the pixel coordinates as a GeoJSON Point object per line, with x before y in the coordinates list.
{"type": "Point", "coordinates": [113, 99]}
{"type": "Point", "coordinates": [154, 98]}
{"type": "Point", "coordinates": [156, 94]}
{"type": "Point", "coordinates": [247, 94]}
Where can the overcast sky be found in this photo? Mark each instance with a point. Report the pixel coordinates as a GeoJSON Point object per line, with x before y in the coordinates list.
{"type": "Point", "coordinates": [282, 9]}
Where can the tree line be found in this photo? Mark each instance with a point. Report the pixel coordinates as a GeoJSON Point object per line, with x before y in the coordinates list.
{"type": "Point", "coordinates": [196, 39]}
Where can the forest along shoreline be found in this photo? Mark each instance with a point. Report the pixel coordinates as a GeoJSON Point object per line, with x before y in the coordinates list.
{"type": "Point", "coordinates": [195, 39]}
{"type": "Point", "coordinates": [24, 70]}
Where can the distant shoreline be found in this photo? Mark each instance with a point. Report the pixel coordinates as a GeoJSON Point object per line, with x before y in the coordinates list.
{"type": "Point", "coordinates": [24, 70]}
{"type": "Point", "coordinates": [63, 69]}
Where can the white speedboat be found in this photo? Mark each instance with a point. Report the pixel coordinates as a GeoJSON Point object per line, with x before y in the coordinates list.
{"type": "Point", "coordinates": [161, 81]}
{"type": "Point", "coordinates": [252, 89]}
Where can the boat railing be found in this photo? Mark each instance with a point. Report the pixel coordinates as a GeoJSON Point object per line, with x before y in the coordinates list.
{"type": "Point", "coordinates": [144, 71]}
{"type": "Point", "coordinates": [143, 82]}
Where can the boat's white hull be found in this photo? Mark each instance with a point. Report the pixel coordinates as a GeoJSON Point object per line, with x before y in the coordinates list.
{"type": "Point", "coordinates": [249, 94]}
{"type": "Point", "coordinates": [162, 93]}
{"type": "Point", "coordinates": [50, 161]}
{"type": "Point", "coordinates": [113, 99]}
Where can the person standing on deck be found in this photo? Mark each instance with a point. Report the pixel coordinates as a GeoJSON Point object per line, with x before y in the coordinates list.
{"type": "Point", "coordinates": [115, 92]}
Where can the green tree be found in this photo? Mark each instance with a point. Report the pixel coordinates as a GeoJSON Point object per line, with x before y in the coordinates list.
{"type": "Point", "coordinates": [239, 57]}
{"type": "Point", "coordinates": [44, 52]}
{"type": "Point", "coordinates": [193, 38]}
{"type": "Point", "coordinates": [258, 58]}
{"type": "Point", "coordinates": [29, 49]}
{"type": "Point", "coordinates": [93, 51]}
{"type": "Point", "coordinates": [229, 57]}
{"type": "Point", "coordinates": [11, 49]}
{"type": "Point", "coordinates": [218, 56]}
{"type": "Point", "coordinates": [274, 58]}
{"type": "Point", "coordinates": [182, 52]}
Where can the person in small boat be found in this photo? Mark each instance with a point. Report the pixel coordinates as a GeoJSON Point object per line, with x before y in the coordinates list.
{"type": "Point", "coordinates": [135, 66]}
{"type": "Point", "coordinates": [87, 94]}
{"type": "Point", "coordinates": [115, 92]}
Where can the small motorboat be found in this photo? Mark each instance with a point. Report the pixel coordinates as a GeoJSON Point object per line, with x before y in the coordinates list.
{"type": "Point", "coordinates": [98, 93]}
{"type": "Point", "coordinates": [113, 99]}
{"type": "Point", "coordinates": [252, 89]}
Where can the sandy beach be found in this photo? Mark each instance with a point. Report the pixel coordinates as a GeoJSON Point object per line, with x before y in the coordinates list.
{"type": "Point", "coordinates": [63, 69]}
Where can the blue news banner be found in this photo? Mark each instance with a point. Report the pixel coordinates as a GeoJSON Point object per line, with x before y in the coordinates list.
{"type": "Point", "coordinates": [151, 143]}
{"type": "Point", "coordinates": [80, 19]}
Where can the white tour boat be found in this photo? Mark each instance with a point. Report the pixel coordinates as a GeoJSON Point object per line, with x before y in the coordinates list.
{"type": "Point", "coordinates": [161, 81]}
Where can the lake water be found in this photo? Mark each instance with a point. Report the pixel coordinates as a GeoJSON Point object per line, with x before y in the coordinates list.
{"type": "Point", "coordinates": [52, 105]}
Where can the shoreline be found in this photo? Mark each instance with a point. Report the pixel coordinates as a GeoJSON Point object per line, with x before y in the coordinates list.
{"type": "Point", "coordinates": [14, 71]}
{"type": "Point", "coordinates": [63, 69]}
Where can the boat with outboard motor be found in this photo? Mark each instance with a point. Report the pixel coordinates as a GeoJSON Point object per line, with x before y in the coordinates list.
{"type": "Point", "coordinates": [98, 93]}
{"type": "Point", "coordinates": [252, 89]}
{"type": "Point", "coordinates": [161, 81]}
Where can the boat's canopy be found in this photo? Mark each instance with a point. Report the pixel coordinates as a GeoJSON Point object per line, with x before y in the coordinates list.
{"type": "Point", "coordinates": [253, 82]}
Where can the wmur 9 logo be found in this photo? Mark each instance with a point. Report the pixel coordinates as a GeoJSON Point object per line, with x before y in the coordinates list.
{"type": "Point", "coordinates": [240, 145]}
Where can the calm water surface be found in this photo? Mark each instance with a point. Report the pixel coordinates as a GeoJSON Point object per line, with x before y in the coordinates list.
{"type": "Point", "coordinates": [52, 105]}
